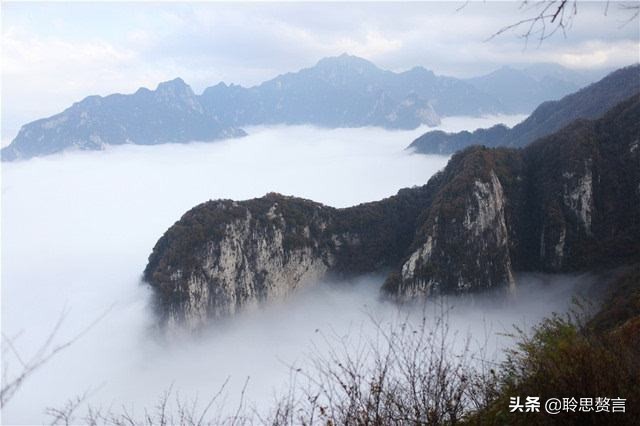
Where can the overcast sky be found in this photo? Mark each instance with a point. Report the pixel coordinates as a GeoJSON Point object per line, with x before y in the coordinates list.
{"type": "Point", "coordinates": [57, 53]}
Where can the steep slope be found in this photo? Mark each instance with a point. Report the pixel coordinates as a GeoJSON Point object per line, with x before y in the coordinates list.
{"type": "Point", "coordinates": [589, 103]}
{"type": "Point", "coordinates": [223, 255]}
{"type": "Point", "coordinates": [568, 202]}
{"type": "Point", "coordinates": [585, 192]}
{"type": "Point", "coordinates": [464, 243]}
{"type": "Point", "coordinates": [171, 113]}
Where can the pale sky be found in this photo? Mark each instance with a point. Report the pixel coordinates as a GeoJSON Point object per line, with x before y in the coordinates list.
{"type": "Point", "coordinates": [54, 54]}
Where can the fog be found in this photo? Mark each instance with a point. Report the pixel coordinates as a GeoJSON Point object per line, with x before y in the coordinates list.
{"type": "Point", "coordinates": [77, 229]}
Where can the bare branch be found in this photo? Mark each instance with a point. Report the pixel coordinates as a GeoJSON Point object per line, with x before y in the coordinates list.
{"type": "Point", "coordinates": [43, 355]}
{"type": "Point", "coordinates": [548, 17]}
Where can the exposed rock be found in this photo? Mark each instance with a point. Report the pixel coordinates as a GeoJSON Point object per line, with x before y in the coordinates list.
{"type": "Point", "coordinates": [222, 256]}
{"type": "Point", "coordinates": [466, 241]}
{"type": "Point", "coordinates": [578, 194]}
{"type": "Point", "coordinates": [568, 202]}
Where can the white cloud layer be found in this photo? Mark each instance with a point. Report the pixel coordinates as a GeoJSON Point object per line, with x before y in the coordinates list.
{"type": "Point", "coordinates": [78, 227]}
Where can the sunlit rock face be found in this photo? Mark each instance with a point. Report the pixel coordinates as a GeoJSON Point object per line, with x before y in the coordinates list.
{"type": "Point", "coordinates": [250, 264]}
{"type": "Point", "coordinates": [224, 255]}
{"type": "Point", "coordinates": [568, 202]}
{"type": "Point", "coordinates": [576, 201]}
{"type": "Point", "coordinates": [466, 242]}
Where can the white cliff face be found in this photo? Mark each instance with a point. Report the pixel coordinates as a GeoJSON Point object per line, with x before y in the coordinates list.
{"type": "Point", "coordinates": [196, 305]}
{"type": "Point", "coordinates": [578, 195]}
{"type": "Point", "coordinates": [245, 268]}
{"type": "Point", "coordinates": [428, 116]}
{"type": "Point", "coordinates": [559, 249]}
{"type": "Point", "coordinates": [482, 233]}
{"type": "Point", "coordinates": [554, 259]}
{"type": "Point", "coordinates": [489, 219]}
{"type": "Point", "coordinates": [421, 255]}
{"type": "Point", "coordinates": [489, 211]}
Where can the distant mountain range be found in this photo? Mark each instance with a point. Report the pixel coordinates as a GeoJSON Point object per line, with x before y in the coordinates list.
{"type": "Point", "coordinates": [171, 113]}
{"type": "Point", "coordinates": [588, 103]}
{"type": "Point", "coordinates": [343, 91]}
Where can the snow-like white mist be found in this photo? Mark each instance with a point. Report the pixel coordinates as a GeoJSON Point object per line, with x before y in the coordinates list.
{"type": "Point", "coordinates": [77, 229]}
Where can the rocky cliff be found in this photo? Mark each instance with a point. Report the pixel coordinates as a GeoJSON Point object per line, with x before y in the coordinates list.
{"type": "Point", "coordinates": [225, 255]}
{"type": "Point", "coordinates": [568, 202]}
{"type": "Point", "coordinates": [463, 242]}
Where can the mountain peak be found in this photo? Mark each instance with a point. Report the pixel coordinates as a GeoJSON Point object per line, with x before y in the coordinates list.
{"type": "Point", "coordinates": [177, 90]}
{"type": "Point", "coordinates": [345, 60]}
{"type": "Point", "coordinates": [505, 70]}
{"type": "Point", "coordinates": [173, 85]}
{"type": "Point", "coordinates": [420, 71]}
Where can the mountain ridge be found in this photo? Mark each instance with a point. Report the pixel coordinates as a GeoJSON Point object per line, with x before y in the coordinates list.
{"type": "Point", "coordinates": [343, 91]}
{"type": "Point", "coordinates": [568, 202]}
{"type": "Point", "coordinates": [589, 102]}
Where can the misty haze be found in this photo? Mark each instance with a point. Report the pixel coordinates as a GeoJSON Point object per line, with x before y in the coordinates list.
{"type": "Point", "coordinates": [91, 260]}
{"type": "Point", "coordinates": [330, 214]}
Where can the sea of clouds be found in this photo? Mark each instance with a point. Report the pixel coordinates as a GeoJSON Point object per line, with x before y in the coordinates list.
{"type": "Point", "coordinates": [77, 229]}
